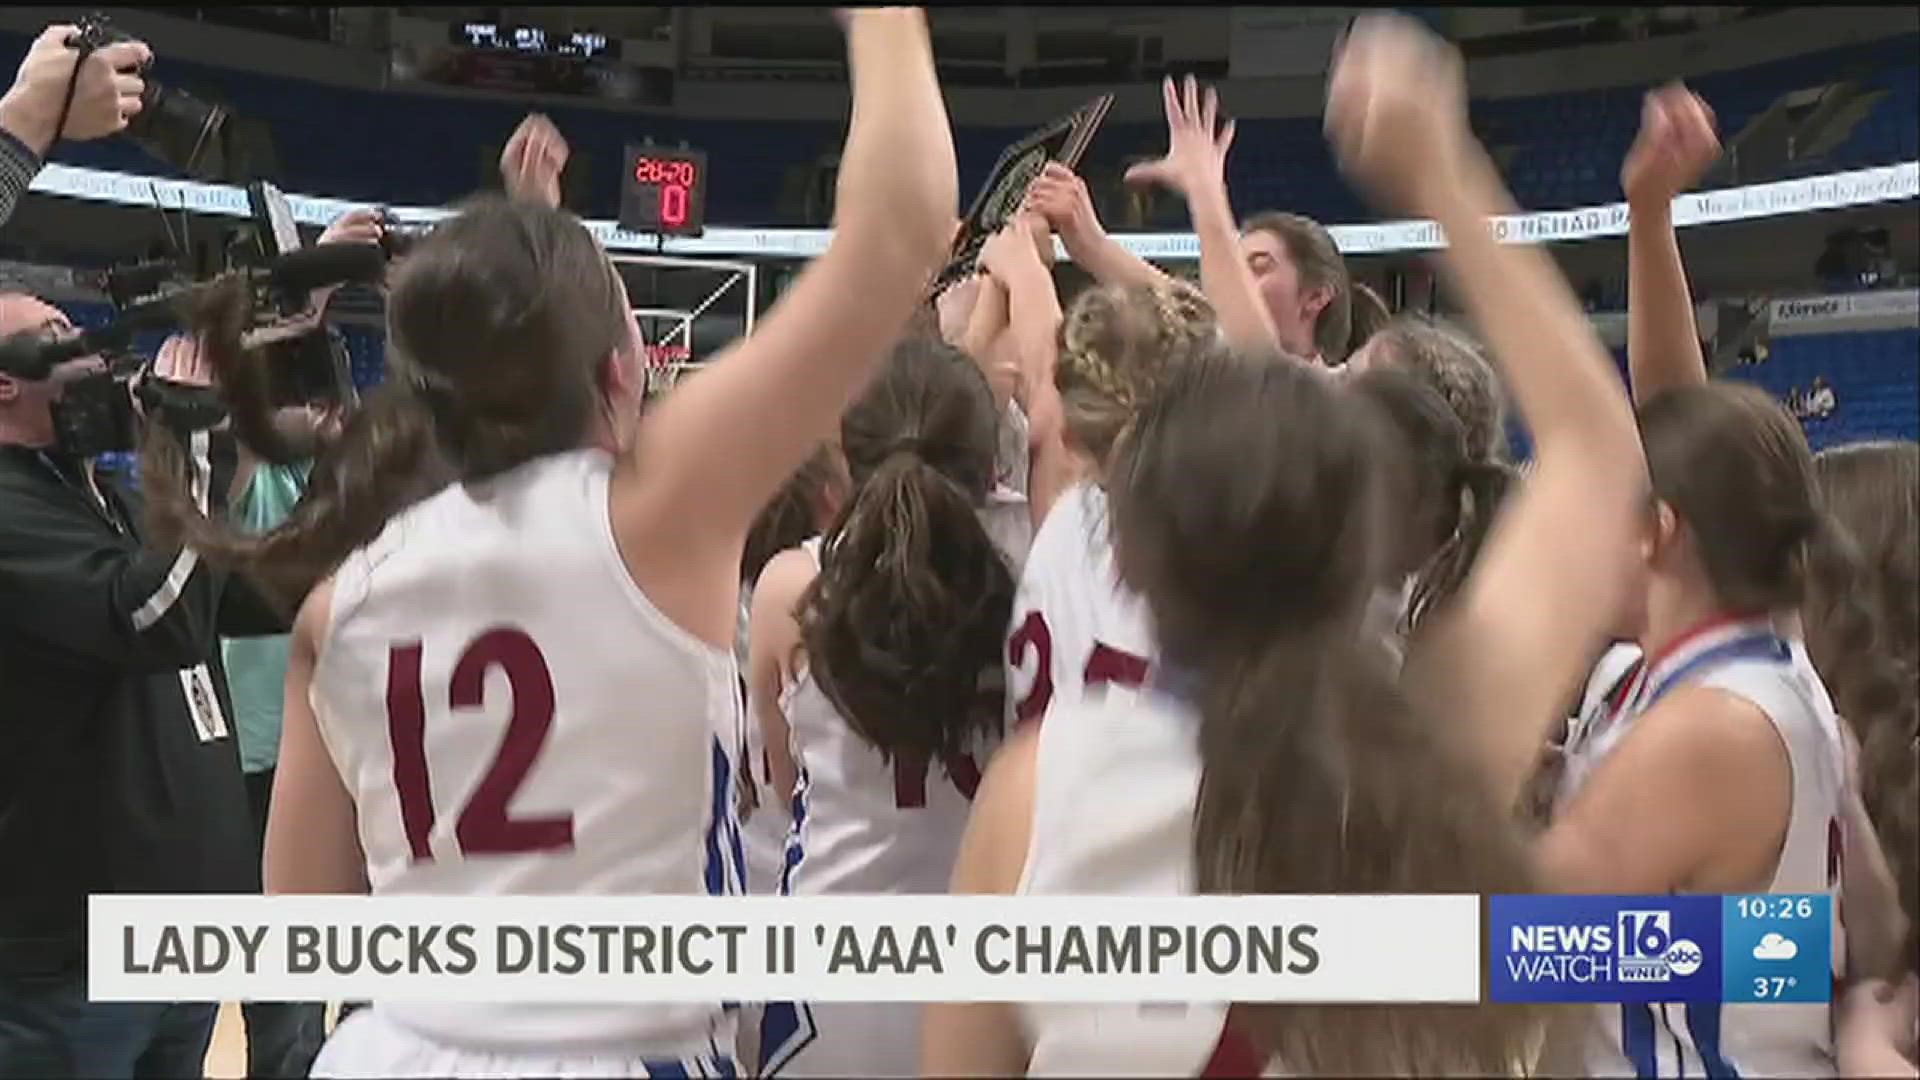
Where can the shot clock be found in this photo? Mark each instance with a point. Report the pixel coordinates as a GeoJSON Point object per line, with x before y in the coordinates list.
{"type": "Point", "coordinates": [664, 191]}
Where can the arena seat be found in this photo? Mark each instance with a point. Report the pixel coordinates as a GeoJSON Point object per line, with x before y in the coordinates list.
{"type": "Point", "coordinates": [1875, 378]}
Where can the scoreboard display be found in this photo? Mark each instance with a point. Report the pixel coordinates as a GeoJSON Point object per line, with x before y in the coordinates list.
{"type": "Point", "coordinates": [664, 191]}
{"type": "Point", "coordinates": [536, 41]}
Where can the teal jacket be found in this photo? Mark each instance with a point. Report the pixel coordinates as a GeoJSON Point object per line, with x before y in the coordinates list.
{"type": "Point", "coordinates": [257, 666]}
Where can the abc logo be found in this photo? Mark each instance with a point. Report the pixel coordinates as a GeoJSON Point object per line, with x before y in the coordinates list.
{"type": "Point", "coordinates": [1683, 957]}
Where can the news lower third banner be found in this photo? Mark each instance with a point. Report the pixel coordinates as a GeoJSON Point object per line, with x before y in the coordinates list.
{"type": "Point", "coordinates": [1336, 949]}
{"type": "Point", "coordinates": [1771, 948]}
{"type": "Point", "coordinates": [1323, 949]}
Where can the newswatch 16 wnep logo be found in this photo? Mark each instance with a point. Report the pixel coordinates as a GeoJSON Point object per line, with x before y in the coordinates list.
{"type": "Point", "coordinates": [1658, 948]}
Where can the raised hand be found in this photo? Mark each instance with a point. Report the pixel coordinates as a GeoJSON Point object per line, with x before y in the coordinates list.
{"type": "Point", "coordinates": [361, 226]}
{"type": "Point", "coordinates": [1060, 196]}
{"type": "Point", "coordinates": [1197, 143]}
{"type": "Point", "coordinates": [105, 98]}
{"type": "Point", "coordinates": [1025, 237]}
{"type": "Point", "coordinates": [533, 160]}
{"type": "Point", "coordinates": [1676, 146]}
{"type": "Point", "coordinates": [1397, 112]}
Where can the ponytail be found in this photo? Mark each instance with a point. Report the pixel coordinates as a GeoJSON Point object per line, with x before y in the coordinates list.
{"type": "Point", "coordinates": [381, 463]}
{"type": "Point", "coordinates": [1480, 487]}
{"type": "Point", "coordinates": [908, 612]}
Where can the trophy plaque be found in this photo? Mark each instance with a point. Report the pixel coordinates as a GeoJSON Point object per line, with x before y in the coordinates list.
{"type": "Point", "coordinates": [1065, 141]}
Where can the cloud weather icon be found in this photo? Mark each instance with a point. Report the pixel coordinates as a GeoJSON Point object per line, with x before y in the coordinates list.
{"type": "Point", "coordinates": [1775, 947]}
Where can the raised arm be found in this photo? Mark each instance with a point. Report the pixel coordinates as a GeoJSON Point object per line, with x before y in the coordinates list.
{"type": "Point", "coordinates": [1196, 167]}
{"type": "Point", "coordinates": [725, 440]}
{"type": "Point", "coordinates": [1676, 147]}
{"type": "Point", "coordinates": [773, 633]}
{"type": "Point", "coordinates": [1014, 261]}
{"type": "Point", "coordinates": [1523, 625]}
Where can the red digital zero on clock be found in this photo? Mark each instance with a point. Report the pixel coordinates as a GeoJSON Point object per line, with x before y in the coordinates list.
{"type": "Point", "coordinates": [675, 180]}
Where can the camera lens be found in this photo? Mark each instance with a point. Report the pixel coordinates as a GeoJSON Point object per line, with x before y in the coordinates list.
{"type": "Point", "coordinates": [182, 131]}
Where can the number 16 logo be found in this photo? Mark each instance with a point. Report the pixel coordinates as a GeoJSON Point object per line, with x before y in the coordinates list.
{"type": "Point", "coordinates": [1645, 935]}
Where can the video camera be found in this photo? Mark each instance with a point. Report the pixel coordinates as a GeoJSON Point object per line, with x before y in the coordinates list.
{"type": "Point", "coordinates": [95, 413]}
{"type": "Point", "coordinates": [173, 125]}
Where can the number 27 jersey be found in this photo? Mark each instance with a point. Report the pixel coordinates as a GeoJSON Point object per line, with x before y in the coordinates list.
{"type": "Point", "coordinates": [513, 716]}
{"type": "Point", "coordinates": [1074, 623]}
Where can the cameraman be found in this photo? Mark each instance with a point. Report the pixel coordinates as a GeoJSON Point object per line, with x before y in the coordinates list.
{"type": "Point", "coordinates": [118, 771]}
{"type": "Point", "coordinates": [105, 96]}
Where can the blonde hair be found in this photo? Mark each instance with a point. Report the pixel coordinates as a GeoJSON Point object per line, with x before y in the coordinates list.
{"type": "Point", "coordinates": [1447, 359]}
{"type": "Point", "coordinates": [1117, 345]}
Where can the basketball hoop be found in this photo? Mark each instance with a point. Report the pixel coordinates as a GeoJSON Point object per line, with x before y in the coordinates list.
{"type": "Point", "coordinates": [664, 363]}
{"type": "Point", "coordinates": [666, 330]}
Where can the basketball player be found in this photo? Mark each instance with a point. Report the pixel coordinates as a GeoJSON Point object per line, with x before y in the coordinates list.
{"type": "Point", "coordinates": [1448, 500]}
{"type": "Point", "coordinates": [1275, 752]}
{"type": "Point", "coordinates": [803, 508]}
{"type": "Point", "coordinates": [524, 684]}
{"type": "Point", "coordinates": [1277, 281]}
{"type": "Point", "coordinates": [1074, 624]}
{"type": "Point", "coordinates": [1674, 148]}
{"type": "Point", "coordinates": [876, 656]}
{"type": "Point", "coordinates": [1720, 768]}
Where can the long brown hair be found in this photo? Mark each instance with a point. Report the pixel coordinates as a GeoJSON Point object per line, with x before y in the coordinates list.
{"type": "Point", "coordinates": [1447, 499]}
{"type": "Point", "coordinates": [1117, 342]}
{"type": "Point", "coordinates": [794, 512]}
{"type": "Point", "coordinates": [1318, 264]}
{"type": "Point", "coordinates": [1736, 469]}
{"type": "Point", "coordinates": [1872, 555]}
{"type": "Point", "coordinates": [1248, 509]}
{"type": "Point", "coordinates": [500, 327]}
{"type": "Point", "coordinates": [911, 604]}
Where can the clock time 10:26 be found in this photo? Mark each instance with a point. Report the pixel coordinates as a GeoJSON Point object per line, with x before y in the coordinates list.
{"type": "Point", "coordinates": [1774, 907]}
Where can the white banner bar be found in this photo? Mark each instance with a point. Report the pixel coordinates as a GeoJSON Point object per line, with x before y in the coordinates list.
{"type": "Point", "coordinates": [824, 948]}
{"type": "Point", "coordinates": [1861, 187]}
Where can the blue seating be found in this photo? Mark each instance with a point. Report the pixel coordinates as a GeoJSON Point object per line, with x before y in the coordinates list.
{"type": "Point", "coordinates": [430, 150]}
{"type": "Point", "coordinates": [1874, 376]}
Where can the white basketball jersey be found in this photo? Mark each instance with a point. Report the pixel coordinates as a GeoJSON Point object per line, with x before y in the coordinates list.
{"type": "Point", "coordinates": [1596, 723]}
{"type": "Point", "coordinates": [863, 825]}
{"type": "Point", "coordinates": [1007, 517]}
{"type": "Point", "coordinates": [766, 818]}
{"type": "Point", "coordinates": [1074, 624]}
{"type": "Point", "coordinates": [1113, 805]}
{"type": "Point", "coordinates": [1746, 659]}
{"type": "Point", "coordinates": [512, 716]}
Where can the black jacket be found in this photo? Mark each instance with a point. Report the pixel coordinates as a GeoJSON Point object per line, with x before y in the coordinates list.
{"type": "Point", "coordinates": [108, 783]}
